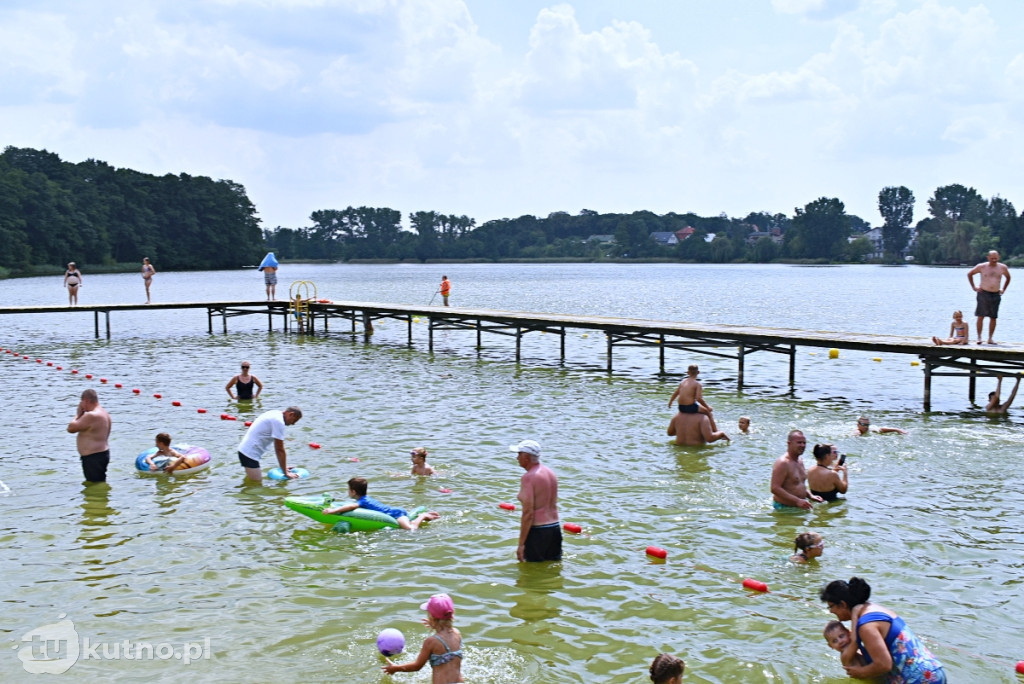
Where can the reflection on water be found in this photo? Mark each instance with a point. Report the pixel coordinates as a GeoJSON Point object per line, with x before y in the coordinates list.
{"type": "Point", "coordinates": [213, 555]}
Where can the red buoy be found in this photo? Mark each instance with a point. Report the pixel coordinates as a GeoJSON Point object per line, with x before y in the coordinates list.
{"type": "Point", "coordinates": [1020, 667]}
{"type": "Point", "coordinates": [158, 396]}
{"type": "Point", "coordinates": [49, 363]}
{"type": "Point", "coordinates": [573, 528]}
{"type": "Point", "coordinates": [657, 552]}
{"type": "Point", "coordinates": [507, 506]}
{"type": "Point", "coordinates": [116, 384]}
{"type": "Point", "coordinates": [74, 371]}
{"type": "Point", "coordinates": [175, 403]}
{"type": "Point", "coordinates": [197, 410]}
{"type": "Point", "coordinates": [39, 360]}
{"type": "Point", "coordinates": [88, 376]}
{"type": "Point", "coordinates": [60, 368]}
{"type": "Point", "coordinates": [135, 390]}
{"type": "Point", "coordinates": [223, 416]}
{"type": "Point", "coordinates": [354, 460]}
{"type": "Point", "coordinates": [755, 585]}
{"type": "Point", "coordinates": [314, 445]}
{"type": "Point", "coordinates": [445, 490]}
{"type": "Point", "coordinates": [103, 380]}
{"type": "Point", "coordinates": [248, 423]}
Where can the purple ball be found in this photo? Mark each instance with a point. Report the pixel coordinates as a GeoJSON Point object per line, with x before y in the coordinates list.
{"type": "Point", "coordinates": [390, 642]}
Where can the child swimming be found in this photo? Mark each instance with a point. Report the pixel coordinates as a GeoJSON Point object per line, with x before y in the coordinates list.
{"type": "Point", "coordinates": [163, 448]}
{"type": "Point", "coordinates": [667, 669]}
{"type": "Point", "coordinates": [419, 462]}
{"type": "Point", "coordinates": [357, 490]}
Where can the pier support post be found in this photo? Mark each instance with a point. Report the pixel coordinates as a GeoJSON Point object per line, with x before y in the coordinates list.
{"type": "Point", "coordinates": [519, 342]}
{"type": "Point", "coordinates": [408, 324]}
{"type": "Point", "coordinates": [96, 322]}
{"type": "Point", "coordinates": [367, 325]}
{"type": "Point", "coordinates": [927, 385]}
{"type": "Point", "coordinates": [561, 333]}
{"type": "Point", "coordinates": [971, 383]}
{"type": "Point", "coordinates": [739, 366]}
{"type": "Point", "coordinates": [106, 315]}
{"type": "Point", "coordinates": [792, 365]}
{"type": "Point", "coordinates": [608, 338]}
{"type": "Point", "coordinates": [479, 343]}
{"type": "Point", "coordinates": [270, 319]}
{"type": "Point", "coordinates": [430, 325]}
{"type": "Point", "coordinates": [661, 353]}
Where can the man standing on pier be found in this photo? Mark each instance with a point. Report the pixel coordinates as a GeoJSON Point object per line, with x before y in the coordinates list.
{"type": "Point", "coordinates": [989, 292]}
{"type": "Point", "coordinates": [789, 478]}
{"type": "Point", "coordinates": [540, 531]}
{"type": "Point", "coordinates": [92, 425]}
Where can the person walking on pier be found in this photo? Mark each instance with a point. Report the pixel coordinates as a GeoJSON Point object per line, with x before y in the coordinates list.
{"type": "Point", "coordinates": [265, 431]}
{"type": "Point", "coordinates": [92, 425]}
{"type": "Point", "coordinates": [243, 384]}
{"type": "Point", "coordinates": [993, 405]}
{"type": "Point", "coordinates": [446, 289]}
{"type": "Point", "coordinates": [540, 531]}
{"type": "Point", "coordinates": [147, 275]}
{"type": "Point", "coordinates": [989, 291]}
{"type": "Point", "coordinates": [72, 281]}
{"type": "Point", "coordinates": [789, 488]}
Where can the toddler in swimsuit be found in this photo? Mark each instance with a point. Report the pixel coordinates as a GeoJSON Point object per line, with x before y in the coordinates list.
{"type": "Point", "coordinates": [839, 638]}
{"type": "Point", "coordinates": [437, 648]}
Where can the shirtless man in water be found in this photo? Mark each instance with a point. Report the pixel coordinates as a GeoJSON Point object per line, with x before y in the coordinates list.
{"type": "Point", "coordinates": [990, 291]}
{"type": "Point", "coordinates": [690, 394]}
{"type": "Point", "coordinates": [692, 429]}
{"type": "Point", "coordinates": [92, 425]}
{"type": "Point", "coordinates": [540, 532]}
{"type": "Point", "coordinates": [789, 487]}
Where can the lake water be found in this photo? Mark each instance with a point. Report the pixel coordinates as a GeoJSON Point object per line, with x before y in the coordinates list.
{"type": "Point", "coordinates": [927, 522]}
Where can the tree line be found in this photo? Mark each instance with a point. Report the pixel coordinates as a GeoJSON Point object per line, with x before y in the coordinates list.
{"type": "Point", "coordinates": [961, 227]}
{"type": "Point", "coordinates": [53, 212]}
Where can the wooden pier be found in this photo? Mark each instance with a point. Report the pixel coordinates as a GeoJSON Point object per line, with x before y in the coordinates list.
{"type": "Point", "coordinates": [713, 339]}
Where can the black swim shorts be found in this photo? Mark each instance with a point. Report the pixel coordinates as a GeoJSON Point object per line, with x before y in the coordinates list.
{"type": "Point", "coordinates": [543, 543]}
{"type": "Point", "coordinates": [988, 304]}
{"type": "Point", "coordinates": [94, 466]}
{"type": "Point", "coordinates": [247, 462]}
{"type": "Point", "coordinates": [689, 408]}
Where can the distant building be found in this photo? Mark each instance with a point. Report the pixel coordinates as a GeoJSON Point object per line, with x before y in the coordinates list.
{"type": "Point", "coordinates": [665, 238]}
{"type": "Point", "coordinates": [684, 233]}
{"type": "Point", "coordinates": [775, 235]}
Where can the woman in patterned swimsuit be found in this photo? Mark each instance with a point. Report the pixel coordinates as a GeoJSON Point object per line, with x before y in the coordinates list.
{"type": "Point", "coordinates": [446, 663]}
{"type": "Point", "coordinates": [887, 644]}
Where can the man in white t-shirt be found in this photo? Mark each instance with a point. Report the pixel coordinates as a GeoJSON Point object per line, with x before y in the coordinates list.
{"type": "Point", "coordinates": [267, 431]}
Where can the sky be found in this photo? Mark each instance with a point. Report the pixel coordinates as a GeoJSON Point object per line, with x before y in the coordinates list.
{"type": "Point", "coordinates": [500, 108]}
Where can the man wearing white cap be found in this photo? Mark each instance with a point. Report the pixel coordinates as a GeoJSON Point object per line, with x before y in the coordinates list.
{"type": "Point", "coordinates": [540, 532]}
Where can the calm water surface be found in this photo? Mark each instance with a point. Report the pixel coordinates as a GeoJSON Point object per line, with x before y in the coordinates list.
{"type": "Point", "coordinates": [934, 530]}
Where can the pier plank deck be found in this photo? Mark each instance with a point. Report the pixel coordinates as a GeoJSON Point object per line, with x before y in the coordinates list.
{"type": "Point", "coordinates": [715, 339]}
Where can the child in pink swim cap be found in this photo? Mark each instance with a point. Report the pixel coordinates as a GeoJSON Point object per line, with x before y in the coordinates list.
{"type": "Point", "coordinates": [445, 662]}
